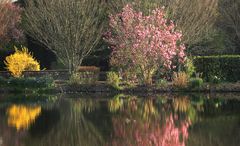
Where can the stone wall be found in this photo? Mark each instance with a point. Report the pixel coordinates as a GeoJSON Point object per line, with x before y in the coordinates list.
{"type": "Point", "coordinates": [55, 74]}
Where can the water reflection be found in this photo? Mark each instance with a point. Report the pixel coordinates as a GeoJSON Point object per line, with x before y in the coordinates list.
{"type": "Point", "coordinates": [146, 122]}
{"type": "Point", "coordinates": [181, 104]}
{"type": "Point", "coordinates": [73, 128]}
{"type": "Point", "coordinates": [123, 120]}
{"type": "Point", "coordinates": [115, 104]}
{"type": "Point", "coordinates": [21, 116]}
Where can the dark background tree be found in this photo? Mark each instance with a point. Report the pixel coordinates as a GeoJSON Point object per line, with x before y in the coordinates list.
{"type": "Point", "coordinates": [71, 29]}
{"type": "Point", "coordinates": [221, 39]}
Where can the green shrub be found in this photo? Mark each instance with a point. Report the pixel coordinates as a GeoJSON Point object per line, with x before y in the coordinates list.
{"type": "Point", "coordinates": [195, 82]}
{"type": "Point", "coordinates": [161, 83]}
{"type": "Point", "coordinates": [83, 78]}
{"type": "Point", "coordinates": [42, 82]}
{"type": "Point", "coordinates": [113, 79]}
{"type": "Point", "coordinates": [189, 67]}
{"type": "Point", "coordinates": [225, 67]}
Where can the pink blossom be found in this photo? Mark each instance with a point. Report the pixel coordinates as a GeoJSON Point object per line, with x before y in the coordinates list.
{"type": "Point", "coordinates": [10, 17]}
{"type": "Point", "coordinates": [148, 42]}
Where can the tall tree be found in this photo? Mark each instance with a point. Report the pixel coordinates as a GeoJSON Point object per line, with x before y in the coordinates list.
{"type": "Point", "coordinates": [195, 18]}
{"type": "Point", "coordinates": [143, 44]}
{"type": "Point", "coordinates": [70, 28]}
{"type": "Point", "coordinates": [230, 10]}
{"type": "Point", "coordinates": [10, 17]}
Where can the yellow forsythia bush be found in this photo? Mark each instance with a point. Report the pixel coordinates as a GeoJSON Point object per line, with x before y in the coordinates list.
{"type": "Point", "coordinates": [21, 117]}
{"type": "Point", "coordinates": [20, 61]}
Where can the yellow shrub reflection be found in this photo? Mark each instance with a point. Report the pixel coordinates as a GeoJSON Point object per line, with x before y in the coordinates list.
{"type": "Point", "coordinates": [20, 116]}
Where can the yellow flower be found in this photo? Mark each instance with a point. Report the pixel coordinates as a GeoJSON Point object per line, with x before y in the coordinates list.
{"type": "Point", "coordinates": [21, 117]}
{"type": "Point", "coordinates": [20, 61]}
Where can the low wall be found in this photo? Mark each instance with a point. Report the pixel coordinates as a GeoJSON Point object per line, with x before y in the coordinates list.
{"type": "Point", "coordinates": [55, 74]}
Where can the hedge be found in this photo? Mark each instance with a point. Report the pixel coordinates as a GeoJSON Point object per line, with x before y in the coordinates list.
{"type": "Point", "coordinates": [41, 82]}
{"type": "Point", "coordinates": [225, 67]}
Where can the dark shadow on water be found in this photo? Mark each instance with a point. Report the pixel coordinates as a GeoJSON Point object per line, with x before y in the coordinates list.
{"type": "Point", "coordinates": [44, 123]}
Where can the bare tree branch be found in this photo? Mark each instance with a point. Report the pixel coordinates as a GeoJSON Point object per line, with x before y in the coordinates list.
{"type": "Point", "coordinates": [230, 10]}
{"type": "Point", "coordinates": [70, 28]}
{"type": "Point", "coordinates": [195, 18]}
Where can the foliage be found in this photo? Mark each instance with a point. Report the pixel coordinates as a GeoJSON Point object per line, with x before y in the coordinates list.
{"type": "Point", "coordinates": [215, 79]}
{"type": "Point", "coordinates": [230, 12]}
{"type": "Point", "coordinates": [85, 75]}
{"type": "Point", "coordinates": [225, 67]}
{"type": "Point", "coordinates": [42, 82]}
{"type": "Point", "coordinates": [10, 17]}
{"type": "Point", "coordinates": [73, 35]}
{"type": "Point", "coordinates": [189, 67]}
{"type": "Point", "coordinates": [195, 82]}
{"type": "Point", "coordinates": [161, 82]}
{"type": "Point", "coordinates": [195, 18]}
{"type": "Point", "coordinates": [21, 117]}
{"type": "Point", "coordinates": [83, 78]}
{"type": "Point", "coordinates": [180, 79]}
{"type": "Point", "coordinates": [113, 79]}
{"type": "Point", "coordinates": [143, 43]}
{"type": "Point", "coordinates": [20, 61]}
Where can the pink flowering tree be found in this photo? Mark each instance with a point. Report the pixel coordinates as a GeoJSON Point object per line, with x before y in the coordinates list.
{"type": "Point", "coordinates": [10, 17]}
{"type": "Point", "coordinates": [143, 44]}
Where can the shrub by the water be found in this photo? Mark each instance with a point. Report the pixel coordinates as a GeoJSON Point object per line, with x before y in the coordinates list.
{"type": "Point", "coordinates": [161, 82]}
{"type": "Point", "coordinates": [83, 78]}
{"type": "Point", "coordinates": [113, 79]}
{"type": "Point", "coordinates": [42, 82]}
{"type": "Point", "coordinates": [180, 79]}
{"type": "Point", "coordinates": [189, 67]}
{"type": "Point", "coordinates": [20, 61]}
{"type": "Point", "coordinates": [224, 67]}
{"type": "Point", "coordinates": [195, 82]}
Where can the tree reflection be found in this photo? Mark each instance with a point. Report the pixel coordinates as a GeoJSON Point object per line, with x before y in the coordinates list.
{"type": "Point", "coordinates": [144, 122]}
{"type": "Point", "coordinates": [115, 104]}
{"type": "Point", "coordinates": [181, 104]}
{"type": "Point", "coordinates": [121, 121]}
{"type": "Point", "coordinates": [73, 129]}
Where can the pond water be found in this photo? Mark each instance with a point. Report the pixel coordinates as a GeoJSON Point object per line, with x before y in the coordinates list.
{"type": "Point", "coordinates": [159, 120]}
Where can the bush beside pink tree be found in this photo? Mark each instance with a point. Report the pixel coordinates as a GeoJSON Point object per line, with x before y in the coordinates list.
{"type": "Point", "coordinates": [143, 43]}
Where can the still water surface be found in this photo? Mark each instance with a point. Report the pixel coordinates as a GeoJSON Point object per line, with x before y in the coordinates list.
{"type": "Point", "coordinates": [161, 120]}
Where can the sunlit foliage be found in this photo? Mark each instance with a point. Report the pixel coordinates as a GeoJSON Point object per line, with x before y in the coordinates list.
{"type": "Point", "coordinates": [21, 60]}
